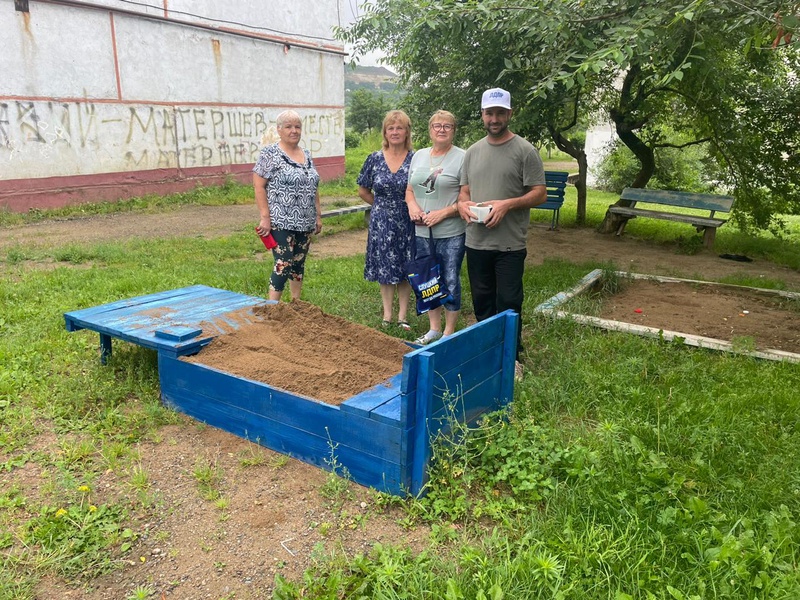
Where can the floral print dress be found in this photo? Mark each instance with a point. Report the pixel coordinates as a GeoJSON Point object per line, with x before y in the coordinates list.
{"type": "Point", "coordinates": [390, 241]}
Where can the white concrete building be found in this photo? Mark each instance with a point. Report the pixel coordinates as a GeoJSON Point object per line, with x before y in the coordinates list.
{"type": "Point", "coordinates": [111, 98]}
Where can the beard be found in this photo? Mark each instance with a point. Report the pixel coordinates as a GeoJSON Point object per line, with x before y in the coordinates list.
{"type": "Point", "coordinates": [500, 129]}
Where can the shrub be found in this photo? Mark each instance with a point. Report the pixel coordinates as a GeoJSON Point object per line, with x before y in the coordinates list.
{"type": "Point", "coordinates": [676, 169]}
{"type": "Point", "coordinates": [352, 139]}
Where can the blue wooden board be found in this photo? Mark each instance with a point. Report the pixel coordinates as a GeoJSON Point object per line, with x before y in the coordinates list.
{"type": "Point", "coordinates": [180, 312]}
{"type": "Point", "coordinates": [711, 202]}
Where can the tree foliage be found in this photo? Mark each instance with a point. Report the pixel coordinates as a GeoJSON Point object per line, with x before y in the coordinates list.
{"type": "Point", "coordinates": [366, 110]}
{"type": "Point", "coordinates": [721, 74]}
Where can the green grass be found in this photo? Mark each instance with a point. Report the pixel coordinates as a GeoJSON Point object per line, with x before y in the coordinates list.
{"type": "Point", "coordinates": [782, 250]}
{"type": "Point", "coordinates": [627, 468]}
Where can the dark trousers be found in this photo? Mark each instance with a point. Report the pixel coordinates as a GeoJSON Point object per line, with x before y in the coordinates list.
{"type": "Point", "coordinates": [495, 279]}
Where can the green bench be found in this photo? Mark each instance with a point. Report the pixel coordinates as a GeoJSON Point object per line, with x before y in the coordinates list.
{"type": "Point", "coordinates": [556, 182]}
{"type": "Point", "coordinates": [705, 202]}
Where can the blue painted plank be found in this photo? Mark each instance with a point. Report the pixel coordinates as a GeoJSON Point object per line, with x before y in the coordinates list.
{"type": "Point", "coordinates": [711, 202]}
{"type": "Point", "coordinates": [462, 379]}
{"type": "Point", "coordinates": [698, 220]}
{"type": "Point", "coordinates": [509, 353]}
{"type": "Point", "coordinates": [279, 406]}
{"type": "Point", "coordinates": [454, 349]}
{"type": "Point", "coordinates": [178, 334]}
{"type": "Point", "coordinates": [391, 411]}
{"type": "Point", "coordinates": [469, 409]}
{"type": "Point", "coordinates": [366, 469]}
{"type": "Point", "coordinates": [420, 436]}
{"type": "Point", "coordinates": [556, 176]}
{"type": "Point", "coordinates": [451, 353]}
{"type": "Point", "coordinates": [371, 400]}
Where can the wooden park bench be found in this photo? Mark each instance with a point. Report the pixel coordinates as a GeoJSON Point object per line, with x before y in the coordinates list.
{"type": "Point", "coordinates": [556, 182]}
{"type": "Point", "coordinates": [346, 210]}
{"type": "Point", "coordinates": [705, 202]}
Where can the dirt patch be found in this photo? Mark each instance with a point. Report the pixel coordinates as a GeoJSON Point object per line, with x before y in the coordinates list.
{"type": "Point", "coordinates": [719, 312]}
{"type": "Point", "coordinates": [273, 521]}
{"type": "Point", "coordinates": [633, 255]}
{"type": "Point", "coordinates": [297, 347]}
{"type": "Point", "coordinates": [180, 221]}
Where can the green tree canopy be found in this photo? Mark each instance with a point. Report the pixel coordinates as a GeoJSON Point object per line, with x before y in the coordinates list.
{"type": "Point", "coordinates": [366, 110]}
{"type": "Point", "coordinates": [722, 74]}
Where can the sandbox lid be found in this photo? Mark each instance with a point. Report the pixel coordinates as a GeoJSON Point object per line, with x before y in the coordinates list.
{"type": "Point", "coordinates": [176, 322]}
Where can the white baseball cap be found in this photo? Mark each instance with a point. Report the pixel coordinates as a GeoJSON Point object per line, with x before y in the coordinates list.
{"type": "Point", "coordinates": [496, 97]}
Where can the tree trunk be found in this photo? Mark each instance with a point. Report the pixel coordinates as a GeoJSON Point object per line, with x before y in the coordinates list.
{"type": "Point", "coordinates": [626, 128]}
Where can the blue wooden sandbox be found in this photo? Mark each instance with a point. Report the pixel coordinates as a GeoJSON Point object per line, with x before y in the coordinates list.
{"type": "Point", "coordinates": [382, 435]}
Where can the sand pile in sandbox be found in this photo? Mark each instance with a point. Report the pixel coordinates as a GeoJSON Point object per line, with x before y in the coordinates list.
{"type": "Point", "coordinates": [297, 347]}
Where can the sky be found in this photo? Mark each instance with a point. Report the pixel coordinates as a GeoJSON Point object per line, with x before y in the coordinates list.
{"type": "Point", "coordinates": [352, 9]}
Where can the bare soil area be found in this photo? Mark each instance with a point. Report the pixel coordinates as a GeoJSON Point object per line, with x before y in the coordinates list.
{"type": "Point", "coordinates": [575, 245]}
{"type": "Point", "coordinates": [722, 313]}
{"type": "Point", "coordinates": [275, 513]}
{"type": "Point", "coordinates": [274, 521]}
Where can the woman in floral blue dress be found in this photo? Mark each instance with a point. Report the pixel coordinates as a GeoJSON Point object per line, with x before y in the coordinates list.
{"type": "Point", "coordinates": [390, 242]}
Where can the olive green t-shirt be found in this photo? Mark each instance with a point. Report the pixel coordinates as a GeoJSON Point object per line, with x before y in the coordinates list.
{"type": "Point", "coordinates": [507, 170]}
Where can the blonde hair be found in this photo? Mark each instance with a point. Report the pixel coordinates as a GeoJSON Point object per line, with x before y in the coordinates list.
{"type": "Point", "coordinates": [397, 116]}
{"type": "Point", "coordinates": [285, 117]}
{"type": "Point", "coordinates": [442, 115]}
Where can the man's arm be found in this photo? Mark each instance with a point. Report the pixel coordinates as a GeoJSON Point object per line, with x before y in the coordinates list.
{"type": "Point", "coordinates": [533, 197]}
{"type": "Point", "coordinates": [464, 202]}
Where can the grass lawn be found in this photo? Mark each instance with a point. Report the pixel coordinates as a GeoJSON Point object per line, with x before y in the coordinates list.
{"type": "Point", "coordinates": [626, 468]}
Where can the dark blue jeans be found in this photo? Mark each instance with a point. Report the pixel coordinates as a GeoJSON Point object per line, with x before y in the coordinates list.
{"type": "Point", "coordinates": [495, 279]}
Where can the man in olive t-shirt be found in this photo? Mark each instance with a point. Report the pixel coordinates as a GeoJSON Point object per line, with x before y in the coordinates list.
{"type": "Point", "coordinates": [504, 171]}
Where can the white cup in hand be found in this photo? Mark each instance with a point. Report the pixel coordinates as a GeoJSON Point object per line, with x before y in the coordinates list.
{"type": "Point", "coordinates": [481, 212]}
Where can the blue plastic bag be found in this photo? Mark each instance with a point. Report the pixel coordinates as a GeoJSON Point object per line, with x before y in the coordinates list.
{"type": "Point", "coordinates": [425, 276]}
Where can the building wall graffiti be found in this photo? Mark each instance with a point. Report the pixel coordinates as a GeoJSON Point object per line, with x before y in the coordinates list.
{"type": "Point", "coordinates": [46, 139]}
{"type": "Point", "coordinates": [159, 100]}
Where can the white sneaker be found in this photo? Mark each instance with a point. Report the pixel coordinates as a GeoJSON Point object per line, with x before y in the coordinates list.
{"type": "Point", "coordinates": [428, 338]}
{"type": "Point", "coordinates": [518, 371]}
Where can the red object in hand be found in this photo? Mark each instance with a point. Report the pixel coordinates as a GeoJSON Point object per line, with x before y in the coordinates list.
{"type": "Point", "coordinates": [269, 241]}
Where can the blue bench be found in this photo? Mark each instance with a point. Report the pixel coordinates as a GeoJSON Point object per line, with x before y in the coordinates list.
{"type": "Point", "coordinates": [556, 182]}
{"type": "Point", "coordinates": [708, 224]}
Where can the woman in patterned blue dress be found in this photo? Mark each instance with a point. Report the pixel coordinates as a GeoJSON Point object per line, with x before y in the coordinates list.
{"type": "Point", "coordinates": [390, 242]}
{"type": "Point", "coordinates": [285, 183]}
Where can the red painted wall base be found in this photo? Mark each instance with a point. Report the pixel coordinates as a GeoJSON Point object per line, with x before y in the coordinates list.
{"type": "Point", "coordinates": [21, 195]}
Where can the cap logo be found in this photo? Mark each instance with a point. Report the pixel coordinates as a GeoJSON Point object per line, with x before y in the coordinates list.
{"type": "Point", "coordinates": [496, 97]}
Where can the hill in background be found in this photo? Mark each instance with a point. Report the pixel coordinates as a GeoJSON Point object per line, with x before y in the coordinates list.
{"type": "Point", "coordinates": [374, 79]}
